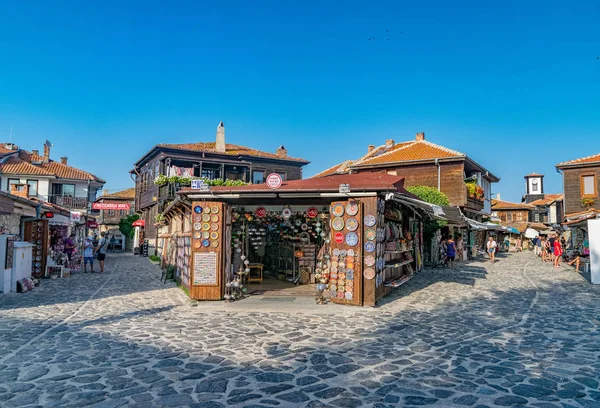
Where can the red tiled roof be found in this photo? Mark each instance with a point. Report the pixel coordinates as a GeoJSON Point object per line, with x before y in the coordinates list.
{"type": "Point", "coordinates": [68, 172]}
{"type": "Point", "coordinates": [499, 205]}
{"type": "Point", "coordinates": [584, 160]}
{"type": "Point", "coordinates": [340, 168]}
{"type": "Point", "coordinates": [14, 165]}
{"type": "Point", "coordinates": [230, 149]}
{"type": "Point", "coordinates": [359, 182]}
{"type": "Point", "coordinates": [534, 175]}
{"type": "Point", "coordinates": [4, 151]}
{"type": "Point", "coordinates": [410, 151]}
{"type": "Point", "coordinates": [128, 194]}
{"type": "Point", "coordinates": [24, 164]}
{"type": "Point", "coordinates": [548, 199]}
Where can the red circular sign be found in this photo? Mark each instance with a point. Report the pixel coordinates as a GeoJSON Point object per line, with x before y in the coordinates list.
{"type": "Point", "coordinates": [274, 180]}
{"type": "Point", "coordinates": [312, 212]}
{"type": "Point", "coordinates": [261, 212]}
{"type": "Point", "coordinates": [338, 237]}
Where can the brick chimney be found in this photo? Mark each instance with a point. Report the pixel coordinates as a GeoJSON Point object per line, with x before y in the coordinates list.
{"type": "Point", "coordinates": [220, 145]}
{"type": "Point", "coordinates": [47, 146]}
{"type": "Point", "coordinates": [105, 191]}
{"type": "Point", "coordinates": [35, 152]}
{"type": "Point", "coordinates": [370, 148]}
{"type": "Point", "coordinates": [63, 160]}
{"type": "Point", "coordinates": [281, 151]}
{"type": "Point", "coordinates": [389, 143]}
{"type": "Point", "coordinates": [420, 136]}
{"type": "Point", "coordinates": [21, 190]}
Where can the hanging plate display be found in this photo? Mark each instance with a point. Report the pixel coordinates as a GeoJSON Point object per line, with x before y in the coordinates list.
{"type": "Point", "coordinates": [286, 213]}
{"type": "Point", "coordinates": [351, 224]}
{"type": "Point", "coordinates": [350, 274]}
{"type": "Point", "coordinates": [340, 295]}
{"type": "Point", "coordinates": [205, 243]}
{"type": "Point", "coordinates": [198, 209]}
{"type": "Point", "coordinates": [206, 210]}
{"type": "Point", "coordinates": [197, 226]}
{"type": "Point", "coordinates": [198, 234]}
{"type": "Point", "coordinates": [352, 208]}
{"type": "Point", "coordinates": [348, 295]}
{"type": "Point", "coordinates": [337, 224]}
{"type": "Point", "coordinates": [214, 227]}
{"type": "Point", "coordinates": [214, 235]}
{"type": "Point", "coordinates": [214, 218]}
{"type": "Point", "coordinates": [214, 244]}
{"type": "Point", "coordinates": [369, 273]}
{"type": "Point", "coordinates": [370, 220]}
{"type": "Point", "coordinates": [371, 234]}
{"type": "Point", "coordinates": [337, 210]}
{"type": "Point", "coordinates": [351, 252]}
{"type": "Point", "coordinates": [369, 246]}
{"type": "Point", "coordinates": [304, 227]}
{"type": "Point", "coordinates": [205, 234]}
{"type": "Point", "coordinates": [369, 260]}
{"type": "Point", "coordinates": [197, 244]}
{"type": "Point", "coordinates": [206, 226]}
{"type": "Point", "coordinates": [197, 218]}
{"type": "Point", "coordinates": [336, 251]}
{"type": "Point", "coordinates": [206, 217]}
{"type": "Point", "coordinates": [339, 238]}
{"type": "Point", "coordinates": [312, 212]}
{"type": "Point", "coordinates": [352, 239]}
{"type": "Point", "coordinates": [214, 209]}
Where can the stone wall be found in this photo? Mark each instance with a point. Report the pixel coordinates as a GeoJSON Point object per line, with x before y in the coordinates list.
{"type": "Point", "coordinates": [11, 223]}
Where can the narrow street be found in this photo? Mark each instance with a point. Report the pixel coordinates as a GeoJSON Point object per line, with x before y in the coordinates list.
{"type": "Point", "coordinates": [514, 333]}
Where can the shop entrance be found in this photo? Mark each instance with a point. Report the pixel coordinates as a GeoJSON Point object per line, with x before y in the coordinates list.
{"type": "Point", "coordinates": [279, 248]}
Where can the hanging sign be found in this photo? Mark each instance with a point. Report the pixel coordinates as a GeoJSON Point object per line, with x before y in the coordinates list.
{"type": "Point", "coordinates": [48, 214]}
{"type": "Point", "coordinates": [205, 268]}
{"type": "Point", "coordinates": [75, 216]}
{"type": "Point", "coordinates": [111, 206]}
{"type": "Point", "coordinates": [261, 212]}
{"type": "Point", "coordinates": [344, 188]}
{"type": "Point", "coordinates": [92, 224]}
{"type": "Point", "coordinates": [338, 237]}
{"type": "Point", "coordinates": [274, 181]}
{"type": "Point", "coordinates": [200, 185]}
{"type": "Point", "coordinates": [312, 212]}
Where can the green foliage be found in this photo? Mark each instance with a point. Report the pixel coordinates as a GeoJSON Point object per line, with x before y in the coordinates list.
{"type": "Point", "coordinates": [125, 225]}
{"type": "Point", "coordinates": [187, 181]}
{"type": "Point", "coordinates": [154, 258]}
{"type": "Point", "coordinates": [429, 195]}
{"type": "Point", "coordinates": [159, 217]}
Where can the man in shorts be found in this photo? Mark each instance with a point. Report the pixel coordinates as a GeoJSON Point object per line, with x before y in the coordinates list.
{"type": "Point", "coordinates": [101, 250]}
{"type": "Point", "coordinates": [88, 254]}
{"type": "Point", "coordinates": [491, 249]}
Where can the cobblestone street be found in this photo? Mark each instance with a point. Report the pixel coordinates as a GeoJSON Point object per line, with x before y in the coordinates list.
{"type": "Point", "coordinates": [515, 333]}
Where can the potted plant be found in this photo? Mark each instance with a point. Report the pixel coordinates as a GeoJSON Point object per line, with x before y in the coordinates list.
{"type": "Point", "coordinates": [471, 189]}
{"type": "Point", "coordinates": [587, 202]}
{"type": "Point", "coordinates": [154, 259]}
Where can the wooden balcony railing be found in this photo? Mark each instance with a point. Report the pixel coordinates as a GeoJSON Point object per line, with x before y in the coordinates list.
{"type": "Point", "coordinates": [78, 203]}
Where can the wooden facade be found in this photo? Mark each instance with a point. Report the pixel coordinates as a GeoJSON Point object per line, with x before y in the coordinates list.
{"type": "Point", "coordinates": [573, 188]}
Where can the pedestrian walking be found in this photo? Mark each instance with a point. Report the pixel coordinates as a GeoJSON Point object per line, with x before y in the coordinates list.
{"type": "Point", "coordinates": [459, 248]}
{"type": "Point", "coordinates": [70, 246]}
{"type": "Point", "coordinates": [491, 249]}
{"type": "Point", "coordinates": [519, 245]}
{"type": "Point", "coordinates": [538, 246]}
{"type": "Point", "coordinates": [551, 240]}
{"type": "Point", "coordinates": [450, 252]}
{"type": "Point", "coordinates": [557, 253]}
{"type": "Point", "coordinates": [88, 254]}
{"type": "Point", "coordinates": [101, 250]}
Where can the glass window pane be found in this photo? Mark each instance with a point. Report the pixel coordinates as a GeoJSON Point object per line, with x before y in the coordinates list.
{"type": "Point", "coordinates": [68, 190]}
{"type": "Point", "coordinates": [258, 177]}
{"type": "Point", "coordinates": [589, 184]}
{"type": "Point", "coordinates": [33, 187]}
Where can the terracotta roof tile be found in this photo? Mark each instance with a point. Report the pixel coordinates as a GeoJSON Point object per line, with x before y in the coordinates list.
{"type": "Point", "coordinates": [14, 165]}
{"type": "Point", "coordinates": [128, 194]}
{"type": "Point", "coordinates": [4, 151]}
{"type": "Point", "coordinates": [584, 160]}
{"type": "Point", "coordinates": [411, 151]}
{"type": "Point", "coordinates": [535, 175]}
{"type": "Point", "coordinates": [65, 171]}
{"type": "Point", "coordinates": [230, 149]}
{"type": "Point", "coordinates": [548, 199]}
{"type": "Point", "coordinates": [498, 205]}
{"type": "Point", "coordinates": [24, 165]}
{"type": "Point", "coordinates": [340, 168]}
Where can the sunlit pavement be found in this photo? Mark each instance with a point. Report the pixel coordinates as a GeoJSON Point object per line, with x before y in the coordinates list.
{"type": "Point", "coordinates": [514, 333]}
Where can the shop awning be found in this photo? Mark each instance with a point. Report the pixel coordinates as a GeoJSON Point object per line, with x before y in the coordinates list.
{"type": "Point", "coordinates": [454, 216]}
{"type": "Point", "coordinates": [60, 220]}
{"type": "Point", "coordinates": [139, 223]}
{"type": "Point", "coordinates": [512, 230]}
{"type": "Point", "coordinates": [435, 211]}
{"type": "Point", "coordinates": [531, 233]}
{"type": "Point", "coordinates": [481, 226]}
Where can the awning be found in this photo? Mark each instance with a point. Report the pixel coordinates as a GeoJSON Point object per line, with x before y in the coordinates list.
{"type": "Point", "coordinates": [139, 223]}
{"type": "Point", "coordinates": [433, 210]}
{"type": "Point", "coordinates": [531, 233]}
{"type": "Point", "coordinates": [512, 230]}
{"type": "Point", "coordinates": [480, 226]}
{"type": "Point", "coordinates": [454, 216]}
{"type": "Point", "coordinates": [60, 220]}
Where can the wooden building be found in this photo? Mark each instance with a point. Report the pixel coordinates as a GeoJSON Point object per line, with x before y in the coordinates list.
{"type": "Point", "coordinates": [509, 212]}
{"type": "Point", "coordinates": [210, 160]}
{"type": "Point", "coordinates": [466, 183]}
{"type": "Point", "coordinates": [581, 178]}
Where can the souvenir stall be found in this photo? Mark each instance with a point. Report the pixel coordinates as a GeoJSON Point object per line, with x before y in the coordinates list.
{"type": "Point", "coordinates": [36, 233]}
{"type": "Point", "coordinates": [352, 247]}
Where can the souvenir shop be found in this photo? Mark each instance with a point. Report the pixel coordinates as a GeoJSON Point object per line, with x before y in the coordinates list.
{"type": "Point", "coordinates": [351, 248]}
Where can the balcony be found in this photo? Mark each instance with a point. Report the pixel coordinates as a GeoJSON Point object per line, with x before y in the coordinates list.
{"type": "Point", "coordinates": [474, 204]}
{"type": "Point", "coordinates": [72, 203]}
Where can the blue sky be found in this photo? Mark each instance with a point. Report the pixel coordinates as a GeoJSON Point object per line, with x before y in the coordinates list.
{"type": "Point", "coordinates": [515, 85]}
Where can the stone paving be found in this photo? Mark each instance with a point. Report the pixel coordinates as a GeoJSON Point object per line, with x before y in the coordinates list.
{"type": "Point", "coordinates": [517, 333]}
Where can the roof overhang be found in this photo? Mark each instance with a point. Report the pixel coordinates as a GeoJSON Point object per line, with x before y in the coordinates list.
{"type": "Point", "coordinates": [486, 173]}
{"type": "Point", "coordinates": [577, 165]}
{"type": "Point", "coordinates": [407, 163]}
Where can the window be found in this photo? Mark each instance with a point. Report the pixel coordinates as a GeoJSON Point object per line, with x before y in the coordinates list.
{"type": "Point", "coordinates": [210, 174]}
{"type": "Point", "coordinates": [122, 213]}
{"type": "Point", "coordinates": [63, 190]}
{"type": "Point", "coordinates": [519, 216]}
{"type": "Point", "coordinates": [534, 187]}
{"type": "Point", "coordinates": [536, 217]}
{"type": "Point", "coordinates": [12, 181]}
{"type": "Point", "coordinates": [258, 177]}
{"type": "Point", "coordinates": [111, 213]}
{"type": "Point", "coordinates": [33, 187]}
{"type": "Point", "coordinates": [588, 185]}
{"type": "Point", "coordinates": [509, 216]}
{"type": "Point", "coordinates": [282, 175]}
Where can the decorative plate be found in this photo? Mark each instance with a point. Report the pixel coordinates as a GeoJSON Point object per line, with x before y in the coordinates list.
{"type": "Point", "coordinates": [369, 246]}
{"type": "Point", "coordinates": [369, 260]}
{"type": "Point", "coordinates": [349, 284]}
{"type": "Point", "coordinates": [206, 226]}
{"type": "Point", "coordinates": [214, 244]}
{"type": "Point", "coordinates": [333, 269]}
{"type": "Point", "coordinates": [333, 287]}
{"type": "Point", "coordinates": [352, 208]}
{"type": "Point", "coordinates": [337, 224]}
{"type": "Point", "coordinates": [197, 235]}
{"type": "Point", "coordinates": [351, 252]}
{"type": "Point", "coordinates": [341, 276]}
{"type": "Point", "coordinates": [352, 239]}
{"type": "Point", "coordinates": [342, 264]}
{"type": "Point", "coordinates": [340, 295]}
{"type": "Point", "coordinates": [348, 295]}
{"type": "Point", "coordinates": [350, 265]}
{"type": "Point", "coordinates": [371, 234]}
{"type": "Point", "coordinates": [214, 209]}
{"type": "Point", "coordinates": [205, 243]}
{"type": "Point", "coordinates": [304, 227]}
{"type": "Point", "coordinates": [332, 293]}
{"type": "Point", "coordinates": [370, 220]}
{"type": "Point", "coordinates": [334, 263]}
{"type": "Point", "coordinates": [197, 226]}
{"type": "Point", "coordinates": [214, 218]}
{"type": "Point", "coordinates": [198, 209]}
{"type": "Point", "coordinates": [369, 273]}
{"type": "Point", "coordinates": [351, 224]}
{"type": "Point", "coordinates": [333, 275]}
{"type": "Point", "coordinates": [350, 275]}
{"type": "Point", "coordinates": [286, 213]}
{"type": "Point", "coordinates": [197, 217]}
{"type": "Point", "coordinates": [336, 252]}
{"type": "Point", "coordinates": [214, 227]}
{"type": "Point", "coordinates": [337, 210]}
{"type": "Point", "coordinates": [40, 224]}
{"type": "Point", "coordinates": [214, 235]}
{"type": "Point", "coordinates": [205, 234]}
{"type": "Point", "coordinates": [197, 244]}
{"type": "Point", "coordinates": [206, 210]}
{"type": "Point", "coordinates": [343, 253]}
{"type": "Point", "coordinates": [206, 217]}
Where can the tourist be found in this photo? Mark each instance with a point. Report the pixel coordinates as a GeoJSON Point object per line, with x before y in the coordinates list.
{"type": "Point", "coordinates": [459, 248]}
{"type": "Point", "coordinates": [519, 245]}
{"type": "Point", "coordinates": [88, 254]}
{"type": "Point", "coordinates": [538, 245]}
{"type": "Point", "coordinates": [563, 243]}
{"type": "Point", "coordinates": [506, 244]}
{"type": "Point", "coordinates": [551, 247]}
{"type": "Point", "coordinates": [491, 249]}
{"type": "Point", "coordinates": [450, 252]}
{"type": "Point", "coordinates": [101, 250]}
{"type": "Point", "coordinates": [557, 253]}
{"type": "Point", "coordinates": [70, 246]}
{"type": "Point", "coordinates": [576, 261]}
{"type": "Point", "coordinates": [53, 238]}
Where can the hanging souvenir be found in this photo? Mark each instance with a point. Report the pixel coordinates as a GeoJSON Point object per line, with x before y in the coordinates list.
{"type": "Point", "coordinates": [352, 239]}
{"type": "Point", "coordinates": [197, 217]}
{"type": "Point", "coordinates": [205, 234]}
{"type": "Point", "coordinates": [343, 253]}
{"type": "Point", "coordinates": [214, 218]}
{"type": "Point", "coordinates": [339, 238]}
{"type": "Point", "coordinates": [205, 243]}
{"type": "Point", "coordinates": [336, 251]}
{"type": "Point", "coordinates": [369, 260]}
{"type": "Point", "coordinates": [304, 227]}
{"type": "Point", "coordinates": [197, 235]}
{"type": "Point", "coordinates": [197, 244]}
{"type": "Point", "coordinates": [370, 220]}
{"type": "Point", "coordinates": [260, 212]}
{"type": "Point", "coordinates": [337, 224]}
{"type": "Point", "coordinates": [348, 295]}
{"type": "Point", "coordinates": [214, 227]}
{"type": "Point", "coordinates": [352, 208]}
{"type": "Point", "coordinates": [340, 295]}
{"type": "Point", "coordinates": [371, 234]}
{"type": "Point", "coordinates": [214, 209]}
{"type": "Point", "coordinates": [214, 244]}
{"type": "Point", "coordinates": [197, 209]}
{"type": "Point", "coordinates": [206, 217]}
{"type": "Point", "coordinates": [286, 213]}
{"type": "Point", "coordinates": [214, 235]}
{"type": "Point", "coordinates": [206, 226]}
{"type": "Point", "coordinates": [206, 210]}
{"type": "Point", "coordinates": [337, 210]}
{"type": "Point", "coordinates": [369, 246]}
{"type": "Point", "coordinates": [197, 226]}
{"type": "Point", "coordinates": [351, 224]}
{"type": "Point", "coordinates": [350, 274]}
{"type": "Point", "coordinates": [312, 212]}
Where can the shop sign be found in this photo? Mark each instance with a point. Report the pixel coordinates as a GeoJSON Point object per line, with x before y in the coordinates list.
{"type": "Point", "coordinates": [48, 214]}
{"type": "Point", "coordinates": [261, 212]}
{"type": "Point", "coordinates": [75, 216]}
{"type": "Point", "coordinates": [344, 188]}
{"type": "Point", "coordinates": [312, 212]}
{"type": "Point", "coordinates": [338, 237]}
{"type": "Point", "coordinates": [92, 224]}
{"type": "Point", "coordinates": [111, 206]}
{"type": "Point", "coordinates": [200, 185]}
{"type": "Point", "coordinates": [274, 181]}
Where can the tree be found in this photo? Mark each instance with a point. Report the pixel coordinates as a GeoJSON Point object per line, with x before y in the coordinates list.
{"type": "Point", "coordinates": [429, 195]}
{"type": "Point", "coordinates": [125, 225]}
